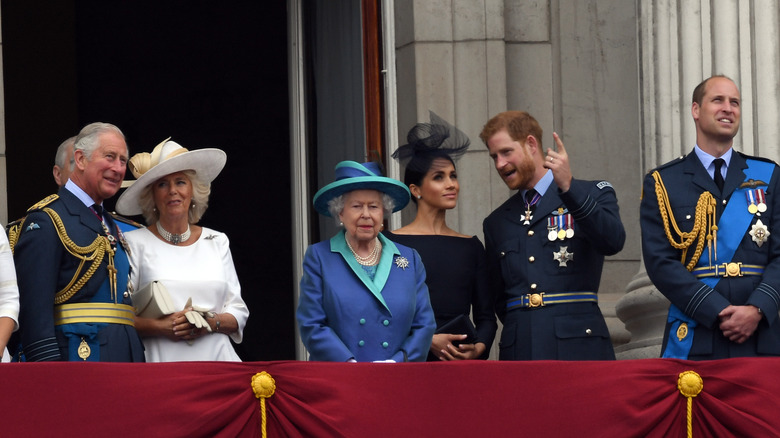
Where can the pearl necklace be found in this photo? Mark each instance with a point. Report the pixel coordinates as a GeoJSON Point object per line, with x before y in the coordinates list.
{"type": "Point", "coordinates": [371, 259]}
{"type": "Point", "coordinates": [173, 238]}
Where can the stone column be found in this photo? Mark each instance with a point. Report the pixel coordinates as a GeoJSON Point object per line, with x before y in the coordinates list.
{"type": "Point", "coordinates": [683, 42]}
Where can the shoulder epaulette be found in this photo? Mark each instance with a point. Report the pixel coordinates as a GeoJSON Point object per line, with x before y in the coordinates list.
{"type": "Point", "coordinates": [753, 157]}
{"type": "Point", "coordinates": [15, 223]}
{"type": "Point", "coordinates": [43, 202]}
{"type": "Point", "coordinates": [670, 163]}
{"type": "Point", "coordinates": [125, 220]}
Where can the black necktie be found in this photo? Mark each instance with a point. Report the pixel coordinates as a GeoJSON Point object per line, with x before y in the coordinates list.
{"type": "Point", "coordinates": [719, 176]}
{"type": "Point", "coordinates": [99, 210]}
{"type": "Point", "coordinates": [529, 197]}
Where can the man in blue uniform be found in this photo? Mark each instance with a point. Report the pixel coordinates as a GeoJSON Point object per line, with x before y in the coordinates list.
{"type": "Point", "coordinates": [546, 246]}
{"type": "Point", "coordinates": [71, 263]}
{"type": "Point", "coordinates": [707, 238]}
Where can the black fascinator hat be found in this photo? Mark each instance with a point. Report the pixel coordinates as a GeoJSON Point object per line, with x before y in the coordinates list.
{"type": "Point", "coordinates": [427, 142]}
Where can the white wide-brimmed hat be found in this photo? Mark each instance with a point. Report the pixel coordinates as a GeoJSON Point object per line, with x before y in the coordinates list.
{"type": "Point", "coordinates": [168, 157]}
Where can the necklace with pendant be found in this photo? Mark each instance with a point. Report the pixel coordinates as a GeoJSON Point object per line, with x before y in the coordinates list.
{"type": "Point", "coordinates": [171, 237]}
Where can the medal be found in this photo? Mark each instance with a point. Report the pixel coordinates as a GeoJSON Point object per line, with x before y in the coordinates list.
{"type": "Point", "coordinates": [563, 256]}
{"type": "Point", "coordinates": [84, 351]}
{"type": "Point", "coordinates": [752, 207]}
{"type": "Point", "coordinates": [551, 227]}
{"type": "Point", "coordinates": [759, 233]}
{"type": "Point", "coordinates": [527, 217]}
{"type": "Point", "coordinates": [569, 226]}
{"type": "Point", "coordinates": [682, 331]}
{"type": "Point", "coordinates": [761, 200]}
{"type": "Point", "coordinates": [561, 228]}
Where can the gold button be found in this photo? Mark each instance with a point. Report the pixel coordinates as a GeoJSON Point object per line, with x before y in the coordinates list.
{"type": "Point", "coordinates": [724, 202]}
{"type": "Point", "coordinates": [533, 286]}
{"type": "Point", "coordinates": [530, 232]}
{"type": "Point", "coordinates": [588, 331]}
{"type": "Point", "coordinates": [687, 216]}
{"type": "Point", "coordinates": [531, 259]}
{"type": "Point", "coordinates": [502, 253]}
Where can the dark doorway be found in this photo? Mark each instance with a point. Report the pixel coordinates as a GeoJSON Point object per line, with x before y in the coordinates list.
{"type": "Point", "coordinates": [209, 74]}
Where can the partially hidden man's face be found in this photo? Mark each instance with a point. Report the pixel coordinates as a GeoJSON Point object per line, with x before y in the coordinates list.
{"type": "Point", "coordinates": [718, 115]}
{"type": "Point", "coordinates": [512, 159]}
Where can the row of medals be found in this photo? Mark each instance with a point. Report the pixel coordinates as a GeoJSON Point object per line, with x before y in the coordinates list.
{"type": "Point", "coordinates": [756, 200]}
{"type": "Point", "coordinates": [559, 226]}
{"type": "Point", "coordinates": [756, 205]}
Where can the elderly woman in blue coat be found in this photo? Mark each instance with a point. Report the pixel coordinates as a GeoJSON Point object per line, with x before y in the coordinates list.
{"type": "Point", "coordinates": [363, 298]}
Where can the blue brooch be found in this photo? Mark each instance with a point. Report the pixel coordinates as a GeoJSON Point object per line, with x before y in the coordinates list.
{"type": "Point", "coordinates": [32, 226]}
{"type": "Point", "coordinates": [402, 262]}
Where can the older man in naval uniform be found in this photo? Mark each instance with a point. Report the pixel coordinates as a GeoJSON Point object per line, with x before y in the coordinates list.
{"type": "Point", "coordinates": [546, 247]}
{"type": "Point", "coordinates": [708, 238]}
{"type": "Point", "coordinates": [72, 265]}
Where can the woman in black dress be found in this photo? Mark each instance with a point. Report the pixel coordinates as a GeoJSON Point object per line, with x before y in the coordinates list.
{"type": "Point", "coordinates": [455, 267]}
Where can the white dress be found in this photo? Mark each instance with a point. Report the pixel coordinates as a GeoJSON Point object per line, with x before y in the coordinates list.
{"type": "Point", "coordinates": [203, 271]}
{"type": "Point", "coordinates": [9, 291]}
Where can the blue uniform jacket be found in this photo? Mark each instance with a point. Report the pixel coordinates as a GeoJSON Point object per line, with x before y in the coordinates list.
{"type": "Point", "coordinates": [44, 267]}
{"type": "Point", "coordinates": [685, 179]}
{"type": "Point", "coordinates": [521, 260]}
{"type": "Point", "coordinates": [342, 314]}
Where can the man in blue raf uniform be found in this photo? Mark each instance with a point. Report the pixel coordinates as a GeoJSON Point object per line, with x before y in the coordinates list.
{"type": "Point", "coordinates": [72, 264]}
{"type": "Point", "coordinates": [546, 247]}
{"type": "Point", "coordinates": [708, 238]}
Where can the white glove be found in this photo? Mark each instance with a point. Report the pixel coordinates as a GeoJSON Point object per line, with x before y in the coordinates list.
{"type": "Point", "coordinates": [195, 316]}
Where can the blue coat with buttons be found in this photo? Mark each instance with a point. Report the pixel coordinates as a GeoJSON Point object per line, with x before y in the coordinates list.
{"type": "Point", "coordinates": [685, 179]}
{"type": "Point", "coordinates": [343, 314]}
{"type": "Point", "coordinates": [521, 260]}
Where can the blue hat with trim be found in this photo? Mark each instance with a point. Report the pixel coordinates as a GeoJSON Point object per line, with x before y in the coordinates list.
{"type": "Point", "coordinates": [351, 175]}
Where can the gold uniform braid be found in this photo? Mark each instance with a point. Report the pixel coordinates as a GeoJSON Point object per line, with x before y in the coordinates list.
{"type": "Point", "coordinates": [704, 227]}
{"type": "Point", "coordinates": [13, 234]}
{"type": "Point", "coordinates": [94, 253]}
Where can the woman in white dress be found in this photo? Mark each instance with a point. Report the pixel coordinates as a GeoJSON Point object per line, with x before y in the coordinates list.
{"type": "Point", "coordinates": [192, 262]}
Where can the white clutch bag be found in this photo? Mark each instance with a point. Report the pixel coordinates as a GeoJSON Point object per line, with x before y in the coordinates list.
{"type": "Point", "coordinates": [153, 301]}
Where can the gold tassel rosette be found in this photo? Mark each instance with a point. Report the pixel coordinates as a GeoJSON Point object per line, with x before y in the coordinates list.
{"type": "Point", "coordinates": [690, 385]}
{"type": "Point", "coordinates": [264, 386]}
{"type": "Point", "coordinates": [704, 227]}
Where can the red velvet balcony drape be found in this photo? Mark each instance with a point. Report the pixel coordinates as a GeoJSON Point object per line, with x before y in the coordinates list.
{"type": "Point", "coordinates": [740, 397]}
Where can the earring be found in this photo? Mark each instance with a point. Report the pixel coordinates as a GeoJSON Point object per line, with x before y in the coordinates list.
{"type": "Point", "coordinates": [341, 224]}
{"type": "Point", "coordinates": [154, 209]}
{"type": "Point", "coordinates": [419, 196]}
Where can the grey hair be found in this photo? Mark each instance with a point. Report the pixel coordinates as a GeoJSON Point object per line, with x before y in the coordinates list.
{"type": "Point", "coordinates": [87, 140]}
{"type": "Point", "coordinates": [62, 154]}
{"type": "Point", "coordinates": [200, 200]}
{"type": "Point", "coordinates": [336, 206]}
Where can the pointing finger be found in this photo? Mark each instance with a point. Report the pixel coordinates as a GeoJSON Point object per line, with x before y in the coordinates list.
{"type": "Point", "coordinates": [559, 142]}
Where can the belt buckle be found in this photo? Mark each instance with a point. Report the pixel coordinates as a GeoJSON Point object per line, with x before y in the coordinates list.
{"type": "Point", "coordinates": [733, 269]}
{"type": "Point", "coordinates": [536, 300]}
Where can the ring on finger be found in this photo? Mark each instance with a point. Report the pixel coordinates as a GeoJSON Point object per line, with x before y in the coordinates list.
{"type": "Point", "coordinates": [192, 332]}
